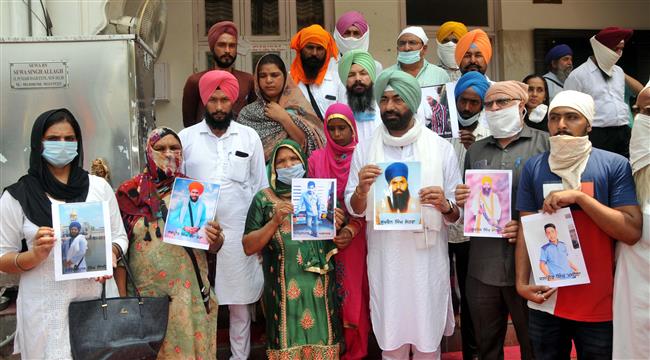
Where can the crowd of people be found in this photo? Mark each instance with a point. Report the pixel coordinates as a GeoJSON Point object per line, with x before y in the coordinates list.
{"type": "Point", "coordinates": [336, 113]}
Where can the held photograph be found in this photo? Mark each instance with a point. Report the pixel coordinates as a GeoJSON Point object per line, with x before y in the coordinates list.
{"type": "Point", "coordinates": [438, 112]}
{"type": "Point", "coordinates": [396, 200]}
{"type": "Point", "coordinates": [314, 201]}
{"type": "Point", "coordinates": [554, 249]}
{"type": "Point", "coordinates": [487, 210]}
{"type": "Point", "coordinates": [192, 204]}
{"type": "Point", "coordinates": [83, 246]}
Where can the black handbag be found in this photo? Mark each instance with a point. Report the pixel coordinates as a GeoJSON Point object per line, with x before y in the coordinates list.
{"type": "Point", "coordinates": [118, 328]}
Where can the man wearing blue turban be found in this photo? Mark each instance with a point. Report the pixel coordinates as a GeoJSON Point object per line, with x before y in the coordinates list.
{"type": "Point", "coordinates": [559, 61]}
{"type": "Point", "coordinates": [469, 93]}
{"type": "Point", "coordinates": [74, 259]}
{"type": "Point", "coordinates": [397, 175]}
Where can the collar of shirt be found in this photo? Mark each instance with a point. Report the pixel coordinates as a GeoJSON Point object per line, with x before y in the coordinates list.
{"type": "Point", "coordinates": [525, 132]}
{"type": "Point", "coordinates": [232, 129]}
{"type": "Point", "coordinates": [592, 67]}
{"type": "Point", "coordinates": [425, 64]}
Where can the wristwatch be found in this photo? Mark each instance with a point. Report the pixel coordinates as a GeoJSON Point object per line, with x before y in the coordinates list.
{"type": "Point", "coordinates": [451, 208]}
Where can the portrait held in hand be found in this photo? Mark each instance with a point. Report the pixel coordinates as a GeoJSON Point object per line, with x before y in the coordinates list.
{"type": "Point", "coordinates": [193, 203]}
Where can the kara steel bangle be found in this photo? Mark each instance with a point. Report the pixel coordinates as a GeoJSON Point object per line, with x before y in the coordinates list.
{"type": "Point", "coordinates": [18, 265]}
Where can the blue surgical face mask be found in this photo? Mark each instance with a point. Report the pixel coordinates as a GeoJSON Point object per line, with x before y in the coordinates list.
{"type": "Point", "coordinates": [59, 153]}
{"type": "Point", "coordinates": [408, 57]}
{"type": "Point", "coordinates": [293, 172]}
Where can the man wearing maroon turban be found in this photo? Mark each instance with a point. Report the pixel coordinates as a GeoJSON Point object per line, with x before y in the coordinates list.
{"type": "Point", "coordinates": [601, 78]}
{"type": "Point", "coordinates": [222, 39]}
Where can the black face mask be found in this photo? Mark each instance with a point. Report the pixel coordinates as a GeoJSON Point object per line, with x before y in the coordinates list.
{"type": "Point", "coordinates": [397, 124]}
{"type": "Point", "coordinates": [360, 102]}
{"type": "Point", "coordinates": [218, 124]}
{"type": "Point", "coordinates": [311, 65]}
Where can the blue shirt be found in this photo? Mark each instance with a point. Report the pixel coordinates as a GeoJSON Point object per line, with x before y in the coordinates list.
{"type": "Point", "coordinates": [555, 256]}
{"type": "Point", "coordinates": [610, 173]}
{"type": "Point", "coordinates": [310, 203]}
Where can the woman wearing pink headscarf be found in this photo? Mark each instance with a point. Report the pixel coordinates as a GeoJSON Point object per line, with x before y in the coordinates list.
{"type": "Point", "coordinates": [333, 161]}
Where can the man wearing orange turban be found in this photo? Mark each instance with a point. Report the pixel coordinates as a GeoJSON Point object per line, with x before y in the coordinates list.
{"type": "Point", "coordinates": [222, 39]}
{"type": "Point", "coordinates": [314, 69]}
{"type": "Point", "coordinates": [473, 52]}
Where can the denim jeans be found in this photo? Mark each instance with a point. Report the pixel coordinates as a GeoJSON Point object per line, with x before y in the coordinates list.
{"type": "Point", "coordinates": [551, 337]}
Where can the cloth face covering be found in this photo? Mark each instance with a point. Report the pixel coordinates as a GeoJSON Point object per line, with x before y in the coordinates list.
{"type": "Point", "coordinates": [538, 113]}
{"type": "Point", "coordinates": [504, 123]}
{"type": "Point", "coordinates": [293, 172]}
{"type": "Point", "coordinates": [347, 44]}
{"type": "Point", "coordinates": [59, 153]}
{"type": "Point", "coordinates": [408, 57]}
{"type": "Point", "coordinates": [446, 54]}
{"type": "Point", "coordinates": [640, 143]}
{"type": "Point", "coordinates": [605, 57]}
{"type": "Point", "coordinates": [568, 158]}
{"type": "Point", "coordinates": [469, 121]}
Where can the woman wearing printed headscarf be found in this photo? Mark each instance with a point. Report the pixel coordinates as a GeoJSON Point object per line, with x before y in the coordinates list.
{"type": "Point", "coordinates": [162, 269]}
{"type": "Point", "coordinates": [333, 162]}
{"type": "Point", "coordinates": [537, 104]}
{"type": "Point", "coordinates": [280, 111]}
{"type": "Point", "coordinates": [55, 176]}
{"type": "Point", "coordinates": [300, 300]}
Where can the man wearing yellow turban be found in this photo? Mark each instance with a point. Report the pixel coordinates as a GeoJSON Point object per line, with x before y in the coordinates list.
{"type": "Point", "coordinates": [446, 39]}
{"type": "Point", "coordinates": [314, 69]}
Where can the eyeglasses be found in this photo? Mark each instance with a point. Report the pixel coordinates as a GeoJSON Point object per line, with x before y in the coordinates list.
{"type": "Point", "coordinates": [499, 102]}
{"type": "Point", "coordinates": [411, 43]}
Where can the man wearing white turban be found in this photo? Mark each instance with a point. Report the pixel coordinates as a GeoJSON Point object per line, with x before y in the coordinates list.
{"type": "Point", "coordinates": [599, 188]}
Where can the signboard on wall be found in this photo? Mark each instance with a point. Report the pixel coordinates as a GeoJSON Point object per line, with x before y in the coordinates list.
{"type": "Point", "coordinates": [39, 74]}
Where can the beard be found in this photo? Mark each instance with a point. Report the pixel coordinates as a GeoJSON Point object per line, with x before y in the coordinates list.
{"type": "Point", "coordinates": [562, 75]}
{"type": "Point", "coordinates": [400, 200]}
{"type": "Point", "coordinates": [401, 123]}
{"type": "Point", "coordinates": [311, 65]}
{"type": "Point", "coordinates": [218, 124]}
{"type": "Point", "coordinates": [360, 101]}
{"type": "Point", "coordinates": [486, 191]}
{"type": "Point", "coordinates": [225, 61]}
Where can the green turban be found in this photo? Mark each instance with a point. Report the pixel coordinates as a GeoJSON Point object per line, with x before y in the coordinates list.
{"type": "Point", "coordinates": [405, 85]}
{"type": "Point", "coordinates": [360, 57]}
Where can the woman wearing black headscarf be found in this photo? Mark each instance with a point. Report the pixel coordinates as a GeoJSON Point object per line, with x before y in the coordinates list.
{"type": "Point", "coordinates": [54, 176]}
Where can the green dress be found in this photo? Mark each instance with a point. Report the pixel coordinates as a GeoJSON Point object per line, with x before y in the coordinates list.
{"type": "Point", "coordinates": [302, 315]}
{"type": "Point", "coordinates": [163, 269]}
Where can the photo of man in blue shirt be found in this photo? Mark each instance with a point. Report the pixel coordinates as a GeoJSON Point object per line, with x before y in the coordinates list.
{"type": "Point", "coordinates": [553, 259]}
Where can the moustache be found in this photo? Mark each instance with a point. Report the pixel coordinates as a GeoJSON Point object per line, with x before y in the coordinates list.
{"type": "Point", "coordinates": [391, 113]}
{"type": "Point", "coordinates": [564, 132]}
{"type": "Point", "coordinates": [218, 114]}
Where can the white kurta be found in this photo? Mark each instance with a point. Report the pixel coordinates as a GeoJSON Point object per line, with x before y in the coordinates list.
{"type": "Point", "coordinates": [410, 297]}
{"type": "Point", "coordinates": [632, 296]}
{"type": "Point", "coordinates": [42, 306]}
{"type": "Point", "coordinates": [327, 93]}
{"type": "Point", "coordinates": [239, 278]}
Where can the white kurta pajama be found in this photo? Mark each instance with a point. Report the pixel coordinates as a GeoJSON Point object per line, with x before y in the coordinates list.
{"type": "Point", "coordinates": [410, 297]}
{"type": "Point", "coordinates": [42, 330]}
{"type": "Point", "coordinates": [238, 279]}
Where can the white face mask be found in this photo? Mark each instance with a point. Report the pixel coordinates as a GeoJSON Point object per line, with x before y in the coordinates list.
{"type": "Point", "coordinates": [446, 54]}
{"type": "Point", "coordinates": [605, 56]}
{"type": "Point", "coordinates": [469, 121]}
{"type": "Point", "coordinates": [347, 44]}
{"type": "Point", "coordinates": [538, 113]}
{"type": "Point", "coordinates": [640, 142]}
{"type": "Point", "coordinates": [504, 123]}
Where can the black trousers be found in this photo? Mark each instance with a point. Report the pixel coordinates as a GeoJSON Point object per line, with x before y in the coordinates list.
{"type": "Point", "coordinates": [490, 306]}
{"type": "Point", "coordinates": [459, 252]}
{"type": "Point", "coordinates": [614, 138]}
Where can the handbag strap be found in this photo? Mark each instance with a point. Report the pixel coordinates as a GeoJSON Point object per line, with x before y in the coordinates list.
{"type": "Point", "coordinates": [129, 276]}
{"type": "Point", "coordinates": [205, 290]}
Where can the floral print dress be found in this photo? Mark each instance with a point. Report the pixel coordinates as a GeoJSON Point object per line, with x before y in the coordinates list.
{"type": "Point", "coordinates": [302, 315]}
{"type": "Point", "coordinates": [163, 269]}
